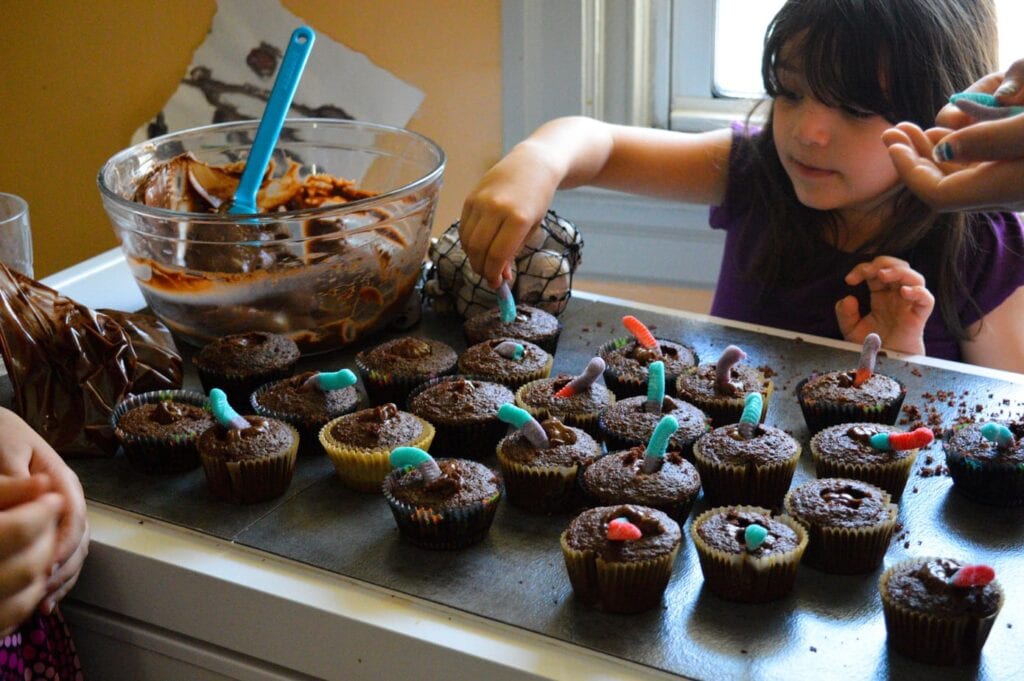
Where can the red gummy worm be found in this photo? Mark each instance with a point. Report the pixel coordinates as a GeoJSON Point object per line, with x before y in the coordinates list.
{"type": "Point", "coordinates": [642, 334]}
{"type": "Point", "coordinates": [970, 575]}
{"type": "Point", "coordinates": [621, 529]}
{"type": "Point", "coordinates": [915, 439]}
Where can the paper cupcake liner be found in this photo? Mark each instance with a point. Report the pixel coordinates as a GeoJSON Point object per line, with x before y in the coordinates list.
{"type": "Point", "coordinates": [742, 578]}
{"type": "Point", "coordinates": [724, 411]}
{"type": "Point", "coordinates": [619, 587]}
{"type": "Point", "coordinates": [758, 485]}
{"type": "Point", "coordinates": [989, 482]}
{"type": "Point", "coordinates": [820, 415]}
{"type": "Point", "coordinates": [238, 387]}
{"type": "Point", "coordinates": [549, 489]}
{"type": "Point", "coordinates": [382, 387]}
{"type": "Point", "coordinates": [930, 638]}
{"type": "Point", "coordinates": [446, 528]}
{"type": "Point", "coordinates": [362, 469]}
{"type": "Point", "coordinates": [252, 480]}
{"type": "Point", "coordinates": [511, 382]}
{"type": "Point", "coordinates": [584, 421]}
{"type": "Point", "coordinates": [159, 455]}
{"type": "Point", "coordinates": [846, 550]}
{"type": "Point", "coordinates": [892, 476]}
{"type": "Point", "coordinates": [308, 427]}
{"type": "Point", "coordinates": [472, 439]}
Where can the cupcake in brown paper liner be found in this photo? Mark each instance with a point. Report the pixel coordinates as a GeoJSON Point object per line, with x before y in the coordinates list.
{"type": "Point", "coordinates": [464, 413]}
{"type": "Point", "coordinates": [390, 370]}
{"type": "Point", "coordinates": [441, 503]}
{"type": "Point", "coordinates": [575, 400]}
{"type": "Point", "coordinates": [849, 523]}
{"type": "Point", "coordinates": [986, 461]}
{"type": "Point", "coordinates": [719, 389]}
{"type": "Point", "coordinates": [628, 358]}
{"type": "Point", "coordinates": [619, 478]}
{"type": "Point", "coordinates": [939, 610]}
{"type": "Point", "coordinates": [846, 451]}
{"type": "Point", "coordinates": [755, 470]}
{"type": "Point", "coordinates": [359, 443]}
{"type": "Point", "coordinates": [508, 361]}
{"type": "Point", "coordinates": [247, 459]}
{"type": "Point", "coordinates": [747, 554]}
{"type": "Point", "coordinates": [540, 461]}
{"type": "Point", "coordinates": [159, 430]}
{"type": "Point", "coordinates": [620, 558]}
{"type": "Point", "coordinates": [628, 423]}
{"type": "Point", "coordinates": [308, 401]}
{"type": "Point", "coordinates": [859, 395]}
{"type": "Point", "coordinates": [240, 363]}
{"type": "Point", "coordinates": [530, 324]}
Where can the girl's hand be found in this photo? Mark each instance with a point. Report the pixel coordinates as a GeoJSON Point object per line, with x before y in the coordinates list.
{"type": "Point", "coordinates": [966, 164]}
{"type": "Point", "coordinates": [900, 305]}
{"type": "Point", "coordinates": [23, 452]}
{"type": "Point", "coordinates": [510, 200]}
{"type": "Point", "coordinates": [29, 514]}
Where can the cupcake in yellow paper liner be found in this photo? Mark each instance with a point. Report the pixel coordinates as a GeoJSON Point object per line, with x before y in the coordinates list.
{"type": "Point", "coordinates": [359, 443]}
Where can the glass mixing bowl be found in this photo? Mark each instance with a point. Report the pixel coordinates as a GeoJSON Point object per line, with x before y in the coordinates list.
{"type": "Point", "coordinates": [325, 276]}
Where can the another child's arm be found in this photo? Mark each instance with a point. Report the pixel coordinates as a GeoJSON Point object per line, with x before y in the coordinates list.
{"type": "Point", "coordinates": [983, 165]}
{"type": "Point", "coordinates": [997, 340]}
{"type": "Point", "coordinates": [900, 305]}
{"type": "Point", "coordinates": [513, 196]}
{"type": "Point", "coordinates": [29, 512]}
{"type": "Point", "coordinates": [24, 453]}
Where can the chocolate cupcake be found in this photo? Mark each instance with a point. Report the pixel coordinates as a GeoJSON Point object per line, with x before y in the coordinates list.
{"type": "Point", "coordinates": [159, 430]}
{"type": "Point", "coordinates": [529, 324]}
{"type": "Point", "coordinates": [628, 423]}
{"type": "Point", "coordinates": [240, 363]}
{"type": "Point", "coordinates": [851, 396]}
{"type": "Point", "coordinates": [442, 503]}
{"type": "Point", "coordinates": [846, 451]}
{"type": "Point", "coordinates": [507, 361]}
{"type": "Point", "coordinates": [627, 360]}
{"type": "Point", "coordinates": [747, 554]}
{"type": "Point", "coordinates": [739, 469]}
{"type": "Point", "coordinates": [719, 389]}
{"type": "Point", "coordinates": [308, 401]}
{"type": "Point", "coordinates": [986, 461]}
{"type": "Point", "coordinates": [247, 459]}
{"type": "Point", "coordinates": [540, 461]}
{"type": "Point", "coordinates": [464, 413]}
{"type": "Point", "coordinates": [849, 523]}
{"type": "Point", "coordinates": [671, 486]}
{"type": "Point", "coordinates": [575, 400]}
{"type": "Point", "coordinates": [393, 368]}
{"type": "Point", "coordinates": [360, 443]}
{"type": "Point", "coordinates": [620, 558]}
{"type": "Point", "coordinates": [939, 610]}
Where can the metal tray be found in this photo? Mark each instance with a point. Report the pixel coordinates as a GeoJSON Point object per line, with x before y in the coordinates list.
{"type": "Point", "coordinates": [829, 627]}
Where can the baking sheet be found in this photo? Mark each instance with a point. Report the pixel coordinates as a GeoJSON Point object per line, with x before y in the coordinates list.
{"type": "Point", "coordinates": [829, 627]}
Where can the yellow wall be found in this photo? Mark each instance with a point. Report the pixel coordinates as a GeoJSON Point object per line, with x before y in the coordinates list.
{"type": "Point", "coordinates": [79, 78]}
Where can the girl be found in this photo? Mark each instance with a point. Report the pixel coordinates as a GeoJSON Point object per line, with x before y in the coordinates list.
{"type": "Point", "coordinates": [821, 237]}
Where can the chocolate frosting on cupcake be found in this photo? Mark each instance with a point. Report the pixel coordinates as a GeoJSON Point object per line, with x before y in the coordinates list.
{"type": "Point", "coordinates": [245, 353]}
{"type": "Point", "coordinates": [288, 396]}
{"type": "Point", "coordinates": [589, 532]}
{"type": "Point", "coordinates": [925, 586]}
{"type": "Point", "coordinates": [620, 476]}
{"type": "Point", "coordinates": [837, 387]}
{"type": "Point", "coordinates": [701, 383]}
{"type": "Point", "coordinates": [458, 400]}
{"type": "Point", "coordinates": [409, 356]}
{"type": "Point", "coordinates": [851, 442]}
{"type": "Point", "coordinates": [531, 324]}
{"type": "Point", "coordinates": [725, 532]}
{"type": "Point", "coordinates": [540, 394]}
{"type": "Point", "coordinates": [383, 426]}
{"type": "Point", "coordinates": [237, 444]}
{"type": "Point", "coordinates": [462, 482]}
{"type": "Point", "coordinates": [727, 445]}
{"type": "Point", "coordinates": [837, 502]}
{"type": "Point", "coordinates": [629, 420]}
{"type": "Point", "coordinates": [165, 419]}
{"type": "Point", "coordinates": [630, 361]}
{"type": "Point", "coordinates": [483, 359]}
{"type": "Point", "coordinates": [968, 442]}
{"type": "Point", "coordinates": [568, 447]}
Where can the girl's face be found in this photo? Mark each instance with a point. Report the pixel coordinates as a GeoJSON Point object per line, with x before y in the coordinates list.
{"type": "Point", "coordinates": [833, 155]}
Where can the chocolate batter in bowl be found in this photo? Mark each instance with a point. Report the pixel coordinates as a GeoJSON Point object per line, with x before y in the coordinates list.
{"type": "Point", "coordinates": [345, 215]}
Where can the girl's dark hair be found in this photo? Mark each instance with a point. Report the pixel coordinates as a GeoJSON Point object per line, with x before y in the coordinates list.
{"type": "Point", "coordinates": [900, 59]}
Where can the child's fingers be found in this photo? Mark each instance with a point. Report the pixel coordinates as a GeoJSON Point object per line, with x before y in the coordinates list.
{"type": "Point", "coordinates": [900, 272]}
{"type": "Point", "coordinates": [502, 250]}
{"type": "Point", "coordinates": [989, 141]}
{"type": "Point", "coordinates": [848, 316]}
{"type": "Point", "coordinates": [15, 491]}
{"type": "Point", "coordinates": [921, 299]}
{"type": "Point", "coordinates": [1011, 90]}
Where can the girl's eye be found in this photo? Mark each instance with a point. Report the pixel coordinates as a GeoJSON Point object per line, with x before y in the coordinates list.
{"type": "Point", "coordinates": [789, 95]}
{"type": "Point", "coordinates": [857, 113]}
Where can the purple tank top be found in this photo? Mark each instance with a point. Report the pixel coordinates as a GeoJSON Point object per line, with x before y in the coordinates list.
{"type": "Point", "coordinates": [994, 272]}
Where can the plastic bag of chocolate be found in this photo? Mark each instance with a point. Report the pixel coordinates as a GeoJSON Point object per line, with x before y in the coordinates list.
{"type": "Point", "coordinates": [70, 365]}
{"type": "Point", "coordinates": [542, 271]}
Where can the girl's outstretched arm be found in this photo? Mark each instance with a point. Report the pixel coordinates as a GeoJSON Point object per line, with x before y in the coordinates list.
{"type": "Point", "coordinates": [900, 305]}
{"type": "Point", "coordinates": [997, 340]}
{"type": "Point", "coordinates": [514, 195]}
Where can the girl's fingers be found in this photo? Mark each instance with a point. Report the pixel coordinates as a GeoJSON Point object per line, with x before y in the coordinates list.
{"type": "Point", "coordinates": [16, 491]}
{"type": "Point", "coordinates": [989, 141]}
{"type": "Point", "coordinates": [848, 316]}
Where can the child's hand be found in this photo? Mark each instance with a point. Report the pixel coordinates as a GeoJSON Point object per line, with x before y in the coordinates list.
{"type": "Point", "coordinates": [29, 512]}
{"type": "Point", "coordinates": [900, 305]}
{"type": "Point", "coordinates": [23, 452]}
{"type": "Point", "coordinates": [510, 200]}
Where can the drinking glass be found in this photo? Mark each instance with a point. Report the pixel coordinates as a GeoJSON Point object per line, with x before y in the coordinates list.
{"type": "Point", "coordinates": [15, 234]}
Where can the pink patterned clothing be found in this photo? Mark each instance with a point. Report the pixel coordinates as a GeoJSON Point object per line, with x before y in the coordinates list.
{"type": "Point", "coordinates": [40, 649]}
